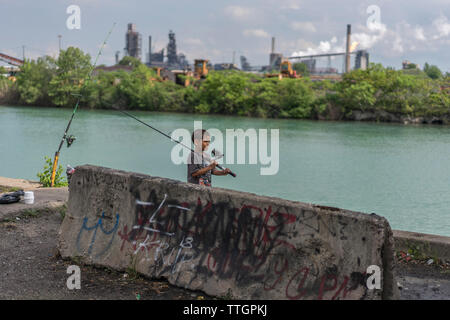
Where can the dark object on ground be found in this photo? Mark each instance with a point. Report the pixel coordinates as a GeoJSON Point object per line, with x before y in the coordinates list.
{"type": "Point", "coordinates": [12, 197]}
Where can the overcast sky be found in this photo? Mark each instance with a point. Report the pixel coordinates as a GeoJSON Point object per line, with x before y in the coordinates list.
{"type": "Point", "coordinates": [415, 30]}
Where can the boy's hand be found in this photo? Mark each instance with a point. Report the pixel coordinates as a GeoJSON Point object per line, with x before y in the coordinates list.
{"type": "Point", "coordinates": [227, 171]}
{"type": "Point", "coordinates": [213, 165]}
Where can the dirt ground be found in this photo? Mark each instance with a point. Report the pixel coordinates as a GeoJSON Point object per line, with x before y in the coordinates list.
{"type": "Point", "coordinates": [32, 269]}
{"type": "Point", "coordinates": [419, 281]}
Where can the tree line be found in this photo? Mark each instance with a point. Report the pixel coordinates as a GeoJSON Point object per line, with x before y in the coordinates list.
{"type": "Point", "coordinates": [57, 82]}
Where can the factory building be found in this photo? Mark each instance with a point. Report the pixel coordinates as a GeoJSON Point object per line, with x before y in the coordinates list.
{"type": "Point", "coordinates": [274, 58]}
{"type": "Point", "coordinates": [174, 60]}
{"type": "Point", "coordinates": [362, 60]}
{"type": "Point", "coordinates": [310, 65]}
{"type": "Point", "coordinates": [154, 58]}
{"type": "Point", "coordinates": [172, 57]}
{"type": "Point", "coordinates": [133, 42]}
{"type": "Point", "coordinates": [245, 65]}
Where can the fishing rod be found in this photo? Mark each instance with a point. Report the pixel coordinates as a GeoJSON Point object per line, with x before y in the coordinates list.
{"type": "Point", "coordinates": [70, 139]}
{"type": "Point", "coordinates": [174, 140]}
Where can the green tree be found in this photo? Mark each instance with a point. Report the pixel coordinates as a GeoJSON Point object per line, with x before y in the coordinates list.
{"type": "Point", "coordinates": [224, 92]}
{"type": "Point", "coordinates": [301, 69]}
{"type": "Point", "coordinates": [265, 99]}
{"type": "Point", "coordinates": [432, 71]}
{"type": "Point", "coordinates": [379, 88]}
{"type": "Point", "coordinates": [296, 98]}
{"type": "Point", "coordinates": [411, 66]}
{"type": "Point", "coordinates": [5, 89]}
{"type": "Point", "coordinates": [134, 87]}
{"type": "Point", "coordinates": [33, 80]}
{"type": "Point", "coordinates": [103, 89]}
{"type": "Point", "coordinates": [130, 61]}
{"type": "Point", "coordinates": [73, 66]}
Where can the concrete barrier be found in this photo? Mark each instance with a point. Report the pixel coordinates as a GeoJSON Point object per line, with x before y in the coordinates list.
{"type": "Point", "coordinates": [425, 245]}
{"type": "Point", "coordinates": [224, 242]}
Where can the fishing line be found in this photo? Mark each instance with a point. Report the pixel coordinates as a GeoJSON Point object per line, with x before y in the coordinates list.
{"type": "Point", "coordinates": [166, 135]}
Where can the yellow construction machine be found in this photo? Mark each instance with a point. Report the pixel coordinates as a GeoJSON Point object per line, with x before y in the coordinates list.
{"type": "Point", "coordinates": [200, 68]}
{"type": "Point", "coordinates": [286, 71]}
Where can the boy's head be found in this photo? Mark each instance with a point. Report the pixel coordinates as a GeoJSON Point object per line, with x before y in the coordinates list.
{"type": "Point", "coordinates": [201, 138]}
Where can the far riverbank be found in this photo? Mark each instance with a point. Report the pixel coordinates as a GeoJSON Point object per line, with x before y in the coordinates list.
{"type": "Point", "coordinates": [356, 116]}
{"type": "Point", "coordinates": [377, 94]}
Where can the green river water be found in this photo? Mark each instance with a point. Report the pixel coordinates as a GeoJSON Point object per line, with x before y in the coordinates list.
{"type": "Point", "coordinates": [397, 171]}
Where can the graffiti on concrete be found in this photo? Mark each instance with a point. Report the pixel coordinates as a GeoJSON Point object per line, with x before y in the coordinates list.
{"type": "Point", "coordinates": [94, 228]}
{"type": "Point", "coordinates": [256, 244]}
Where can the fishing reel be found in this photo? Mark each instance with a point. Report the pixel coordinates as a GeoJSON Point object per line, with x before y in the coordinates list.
{"type": "Point", "coordinates": [70, 139]}
{"type": "Point", "coordinates": [216, 154]}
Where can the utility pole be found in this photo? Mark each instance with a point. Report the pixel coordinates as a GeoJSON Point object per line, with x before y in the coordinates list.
{"type": "Point", "coordinates": [117, 57]}
{"type": "Point", "coordinates": [59, 40]}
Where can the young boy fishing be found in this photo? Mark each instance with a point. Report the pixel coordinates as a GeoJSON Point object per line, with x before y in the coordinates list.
{"type": "Point", "coordinates": [200, 165]}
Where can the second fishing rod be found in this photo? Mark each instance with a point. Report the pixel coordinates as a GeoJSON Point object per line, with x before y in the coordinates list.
{"type": "Point", "coordinates": [167, 136]}
{"type": "Point", "coordinates": [70, 139]}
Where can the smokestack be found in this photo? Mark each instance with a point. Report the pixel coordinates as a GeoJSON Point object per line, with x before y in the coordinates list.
{"type": "Point", "coordinates": [273, 44]}
{"type": "Point", "coordinates": [347, 51]}
{"type": "Point", "coordinates": [149, 49]}
{"type": "Point", "coordinates": [117, 57]}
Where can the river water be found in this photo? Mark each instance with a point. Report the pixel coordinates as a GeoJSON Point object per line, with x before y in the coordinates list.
{"type": "Point", "coordinates": [397, 171]}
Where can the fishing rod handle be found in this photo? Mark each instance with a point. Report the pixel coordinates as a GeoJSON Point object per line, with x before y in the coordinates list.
{"type": "Point", "coordinates": [230, 173]}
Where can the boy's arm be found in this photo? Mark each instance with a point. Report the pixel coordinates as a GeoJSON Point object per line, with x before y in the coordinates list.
{"type": "Point", "coordinates": [205, 169]}
{"type": "Point", "coordinates": [221, 172]}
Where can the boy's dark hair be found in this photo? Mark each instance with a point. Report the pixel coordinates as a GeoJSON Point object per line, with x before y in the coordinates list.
{"type": "Point", "coordinates": [197, 133]}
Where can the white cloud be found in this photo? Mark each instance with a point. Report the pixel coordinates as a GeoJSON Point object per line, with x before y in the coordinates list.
{"type": "Point", "coordinates": [366, 39]}
{"type": "Point", "coordinates": [239, 13]}
{"type": "Point", "coordinates": [376, 32]}
{"type": "Point", "coordinates": [442, 26]}
{"type": "Point", "coordinates": [260, 33]}
{"type": "Point", "coordinates": [303, 26]}
{"type": "Point", "coordinates": [397, 45]}
{"type": "Point", "coordinates": [377, 26]}
{"type": "Point", "coordinates": [281, 4]}
{"type": "Point", "coordinates": [419, 34]}
{"type": "Point", "coordinates": [323, 47]}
